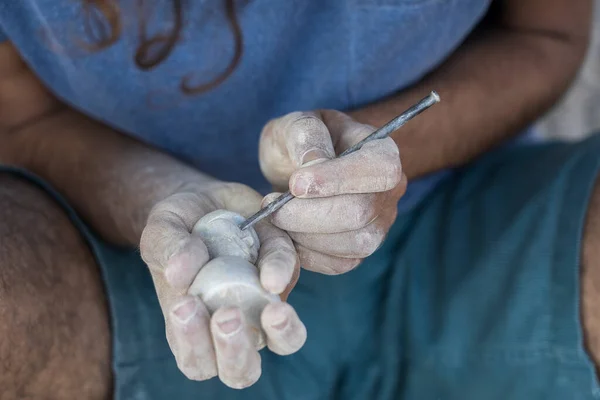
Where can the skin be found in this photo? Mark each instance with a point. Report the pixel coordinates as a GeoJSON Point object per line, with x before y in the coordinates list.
{"type": "Point", "coordinates": [506, 75]}
{"type": "Point", "coordinates": [222, 236]}
{"type": "Point", "coordinates": [590, 278]}
{"type": "Point", "coordinates": [206, 346]}
{"type": "Point", "coordinates": [55, 332]}
{"type": "Point", "coordinates": [344, 207]}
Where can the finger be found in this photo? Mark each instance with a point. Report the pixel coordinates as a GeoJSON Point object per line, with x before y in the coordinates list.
{"type": "Point", "coordinates": [328, 215]}
{"type": "Point", "coordinates": [292, 141]}
{"type": "Point", "coordinates": [163, 236]}
{"type": "Point", "coordinates": [188, 333]}
{"type": "Point", "coordinates": [166, 244]}
{"type": "Point", "coordinates": [344, 130]}
{"type": "Point", "coordinates": [374, 168]}
{"type": "Point", "coordinates": [185, 264]}
{"type": "Point", "coordinates": [187, 330]}
{"type": "Point", "coordinates": [286, 334]}
{"type": "Point", "coordinates": [277, 259]}
{"type": "Point", "coordinates": [306, 138]}
{"type": "Point", "coordinates": [174, 257]}
{"type": "Point", "coordinates": [325, 264]}
{"type": "Point", "coordinates": [238, 363]}
{"type": "Point", "coordinates": [360, 243]}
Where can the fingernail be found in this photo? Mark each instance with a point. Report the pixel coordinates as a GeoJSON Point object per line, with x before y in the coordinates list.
{"type": "Point", "coordinates": [301, 185]}
{"type": "Point", "coordinates": [185, 311]}
{"type": "Point", "coordinates": [314, 156]}
{"type": "Point", "coordinates": [229, 322]}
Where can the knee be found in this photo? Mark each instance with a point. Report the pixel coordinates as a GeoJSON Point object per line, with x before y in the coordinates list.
{"type": "Point", "coordinates": [55, 325]}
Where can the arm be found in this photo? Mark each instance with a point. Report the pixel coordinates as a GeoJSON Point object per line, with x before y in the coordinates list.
{"type": "Point", "coordinates": [133, 194]}
{"type": "Point", "coordinates": [505, 76]}
{"type": "Point", "coordinates": [118, 179]}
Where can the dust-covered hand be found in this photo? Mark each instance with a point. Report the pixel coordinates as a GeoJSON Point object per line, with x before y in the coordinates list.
{"type": "Point", "coordinates": [206, 346]}
{"type": "Point", "coordinates": [344, 207]}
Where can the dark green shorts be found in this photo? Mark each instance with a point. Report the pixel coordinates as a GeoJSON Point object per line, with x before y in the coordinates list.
{"type": "Point", "coordinates": [474, 295]}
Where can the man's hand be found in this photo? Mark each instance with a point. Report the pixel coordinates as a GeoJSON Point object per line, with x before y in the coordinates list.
{"type": "Point", "coordinates": [203, 346]}
{"type": "Point", "coordinates": [344, 207]}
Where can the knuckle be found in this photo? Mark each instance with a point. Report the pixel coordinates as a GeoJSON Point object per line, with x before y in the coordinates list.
{"type": "Point", "coordinates": [171, 205]}
{"type": "Point", "coordinates": [280, 263]}
{"type": "Point", "coordinates": [393, 176]}
{"type": "Point", "coordinates": [385, 147]}
{"type": "Point", "coordinates": [368, 241]}
{"type": "Point", "coordinates": [279, 247]}
{"type": "Point", "coordinates": [391, 169]}
{"type": "Point", "coordinates": [163, 213]}
{"type": "Point", "coordinates": [154, 242]}
{"type": "Point", "coordinates": [391, 146]}
{"type": "Point", "coordinates": [387, 152]}
{"type": "Point", "coordinates": [158, 210]}
{"type": "Point", "coordinates": [366, 211]}
{"type": "Point", "coordinates": [147, 246]}
{"type": "Point", "coordinates": [305, 129]}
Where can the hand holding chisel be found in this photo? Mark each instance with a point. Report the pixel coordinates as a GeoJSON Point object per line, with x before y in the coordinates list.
{"type": "Point", "coordinates": [380, 133]}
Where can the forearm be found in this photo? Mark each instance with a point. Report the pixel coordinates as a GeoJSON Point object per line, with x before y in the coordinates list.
{"type": "Point", "coordinates": [112, 180]}
{"type": "Point", "coordinates": [492, 87]}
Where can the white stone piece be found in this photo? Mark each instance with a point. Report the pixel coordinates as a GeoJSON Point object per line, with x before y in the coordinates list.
{"type": "Point", "coordinates": [230, 278]}
{"type": "Point", "coordinates": [222, 236]}
{"type": "Point", "coordinates": [232, 281]}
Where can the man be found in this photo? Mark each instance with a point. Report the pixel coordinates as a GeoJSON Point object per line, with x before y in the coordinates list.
{"type": "Point", "coordinates": [123, 123]}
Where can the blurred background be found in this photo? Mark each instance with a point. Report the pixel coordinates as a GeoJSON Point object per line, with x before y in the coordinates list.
{"type": "Point", "coordinates": [578, 114]}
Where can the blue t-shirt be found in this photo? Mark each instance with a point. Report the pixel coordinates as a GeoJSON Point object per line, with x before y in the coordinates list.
{"type": "Point", "coordinates": [297, 55]}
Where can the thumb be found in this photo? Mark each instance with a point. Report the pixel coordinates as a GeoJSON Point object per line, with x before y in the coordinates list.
{"type": "Point", "coordinates": [168, 247]}
{"type": "Point", "coordinates": [291, 142]}
{"type": "Point", "coordinates": [277, 260]}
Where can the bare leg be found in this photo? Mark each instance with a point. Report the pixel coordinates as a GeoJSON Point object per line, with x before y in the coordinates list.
{"type": "Point", "coordinates": [591, 278]}
{"type": "Point", "coordinates": [54, 330]}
